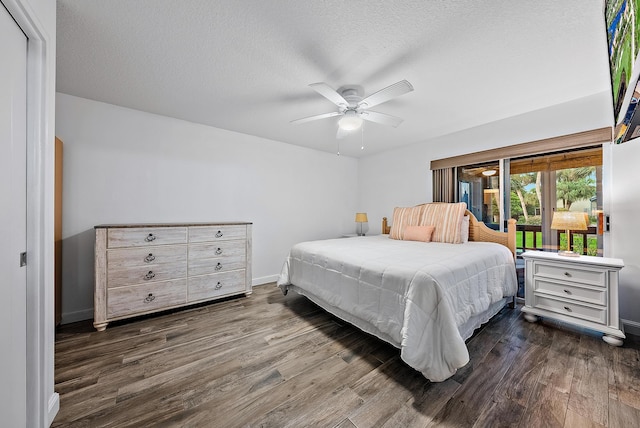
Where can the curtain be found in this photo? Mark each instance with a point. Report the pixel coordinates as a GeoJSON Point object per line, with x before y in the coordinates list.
{"type": "Point", "coordinates": [444, 185]}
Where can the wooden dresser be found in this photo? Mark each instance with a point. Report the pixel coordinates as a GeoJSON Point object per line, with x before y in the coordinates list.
{"type": "Point", "coordinates": [578, 290]}
{"type": "Point", "coordinates": [146, 268]}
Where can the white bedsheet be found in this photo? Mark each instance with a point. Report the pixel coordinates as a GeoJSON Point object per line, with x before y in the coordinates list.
{"type": "Point", "coordinates": [416, 294]}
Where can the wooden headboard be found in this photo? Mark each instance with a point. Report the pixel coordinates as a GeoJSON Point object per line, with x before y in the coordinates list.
{"type": "Point", "coordinates": [478, 231]}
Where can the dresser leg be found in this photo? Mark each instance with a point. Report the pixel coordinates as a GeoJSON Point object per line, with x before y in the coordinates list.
{"type": "Point", "coordinates": [612, 340]}
{"type": "Point", "coordinates": [531, 317]}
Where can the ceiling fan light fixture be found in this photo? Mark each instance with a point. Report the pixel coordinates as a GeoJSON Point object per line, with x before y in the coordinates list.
{"type": "Point", "coordinates": [350, 121]}
{"type": "Point", "coordinates": [489, 172]}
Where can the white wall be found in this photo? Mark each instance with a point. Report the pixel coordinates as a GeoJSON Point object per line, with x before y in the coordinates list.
{"type": "Point", "coordinates": [127, 166]}
{"type": "Point", "coordinates": [625, 229]}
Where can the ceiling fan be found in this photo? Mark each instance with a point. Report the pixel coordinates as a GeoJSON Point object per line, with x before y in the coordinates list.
{"type": "Point", "coordinates": [354, 109]}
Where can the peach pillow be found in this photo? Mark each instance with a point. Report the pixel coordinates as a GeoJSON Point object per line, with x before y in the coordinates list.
{"type": "Point", "coordinates": [418, 233]}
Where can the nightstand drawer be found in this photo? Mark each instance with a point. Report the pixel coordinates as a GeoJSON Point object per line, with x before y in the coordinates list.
{"type": "Point", "coordinates": [580, 274]}
{"type": "Point", "coordinates": [594, 295]}
{"type": "Point", "coordinates": [589, 313]}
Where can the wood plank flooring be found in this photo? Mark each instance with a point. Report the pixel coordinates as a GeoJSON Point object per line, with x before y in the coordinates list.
{"type": "Point", "coordinates": [275, 361]}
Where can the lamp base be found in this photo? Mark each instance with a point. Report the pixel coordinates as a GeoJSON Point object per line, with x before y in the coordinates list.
{"type": "Point", "coordinates": [566, 253]}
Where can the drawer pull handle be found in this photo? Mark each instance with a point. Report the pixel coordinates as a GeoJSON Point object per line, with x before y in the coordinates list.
{"type": "Point", "coordinates": [567, 274]}
{"type": "Point", "coordinates": [567, 291]}
{"type": "Point", "coordinates": [219, 251]}
{"type": "Point", "coordinates": [218, 286]}
{"type": "Point", "coordinates": [150, 237]}
{"type": "Point", "coordinates": [567, 308]}
{"type": "Point", "coordinates": [149, 258]}
{"type": "Point", "coordinates": [149, 275]}
{"type": "Point", "coordinates": [219, 234]}
{"type": "Point", "coordinates": [150, 298]}
{"type": "Point", "coordinates": [218, 266]}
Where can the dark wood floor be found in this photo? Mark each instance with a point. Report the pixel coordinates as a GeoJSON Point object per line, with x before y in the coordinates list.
{"type": "Point", "coordinates": [275, 361]}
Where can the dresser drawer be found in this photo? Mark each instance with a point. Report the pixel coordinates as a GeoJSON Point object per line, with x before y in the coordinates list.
{"type": "Point", "coordinates": [118, 277]}
{"type": "Point", "coordinates": [136, 237]}
{"type": "Point", "coordinates": [589, 313]}
{"type": "Point", "coordinates": [579, 274]}
{"type": "Point", "coordinates": [151, 297]}
{"type": "Point", "coordinates": [146, 256]}
{"type": "Point", "coordinates": [217, 233]}
{"type": "Point", "coordinates": [224, 264]}
{"type": "Point", "coordinates": [219, 284]}
{"type": "Point", "coordinates": [594, 295]}
{"type": "Point", "coordinates": [217, 249]}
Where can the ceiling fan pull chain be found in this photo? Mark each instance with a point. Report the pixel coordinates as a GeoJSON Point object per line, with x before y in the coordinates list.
{"type": "Point", "coordinates": [362, 135]}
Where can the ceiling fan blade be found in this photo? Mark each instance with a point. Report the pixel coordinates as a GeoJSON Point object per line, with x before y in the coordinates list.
{"type": "Point", "coordinates": [316, 117]}
{"type": "Point", "coordinates": [329, 93]}
{"type": "Point", "coordinates": [341, 133]}
{"type": "Point", "coordinates": [377, 117]}
{"type": "Point", "coordinates": [383, 95]}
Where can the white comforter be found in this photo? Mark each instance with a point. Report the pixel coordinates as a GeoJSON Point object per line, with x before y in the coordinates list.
{"type": "Point", "coordinates": [416, 294]}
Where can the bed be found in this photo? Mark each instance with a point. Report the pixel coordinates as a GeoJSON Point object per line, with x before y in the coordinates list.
{"type": "Point", "coordinates": [425, 297]}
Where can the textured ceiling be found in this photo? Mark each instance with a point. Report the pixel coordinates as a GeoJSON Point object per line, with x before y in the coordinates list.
{"type": "Point", "coordinates": [245, 65]}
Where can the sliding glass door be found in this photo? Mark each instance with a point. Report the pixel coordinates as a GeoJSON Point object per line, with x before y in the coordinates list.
{"type": "Point", "coordinates": [561, 182]}
{"type": "Point", "coordinates": [531, 190]}
{"type": "Point", "coordinates": [479, 187]}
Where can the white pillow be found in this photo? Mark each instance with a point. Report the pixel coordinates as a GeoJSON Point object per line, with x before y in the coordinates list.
{"type": "Point", "coordinates": [464, 229]}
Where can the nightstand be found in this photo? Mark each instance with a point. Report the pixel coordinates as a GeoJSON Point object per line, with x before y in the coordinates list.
{"type": "Point", "coordinates": [579, 290]}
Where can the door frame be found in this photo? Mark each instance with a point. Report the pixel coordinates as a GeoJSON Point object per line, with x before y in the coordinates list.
{"type": "Point", "coordinates": [42, 402]}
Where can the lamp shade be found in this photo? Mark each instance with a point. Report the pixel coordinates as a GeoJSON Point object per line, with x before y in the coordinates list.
{"type": "Point", "coordinates": [361, 218]}
{"type": "Point", "coordinates": [350, 121]}
{"type": "Point", "coordinates": [569, 220]}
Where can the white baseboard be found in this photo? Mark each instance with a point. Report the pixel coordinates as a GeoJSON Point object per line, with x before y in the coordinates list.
{"type": "Point", "coordinates": [54, 406]}
{"type": "Point", "coordinates": [264, 280]}
{"type": "Point", "coordinates": [631, 327]}
{"type": "Point", "coordinates": [84, 314]}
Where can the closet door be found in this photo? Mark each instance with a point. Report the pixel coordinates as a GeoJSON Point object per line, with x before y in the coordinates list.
{"type": "Point", "coordinates": [13, 285]}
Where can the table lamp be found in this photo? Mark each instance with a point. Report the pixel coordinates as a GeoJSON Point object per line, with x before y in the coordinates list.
{"type": "Point", "coordinates": [568, 221]}
{"type": "Point", "coordinates": [361, 218]}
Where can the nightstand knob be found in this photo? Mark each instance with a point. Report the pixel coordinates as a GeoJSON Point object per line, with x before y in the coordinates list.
{"type": "Point", "coordinates": [567, 308]}
{"type": "Point", "coordinates": [567, 274]}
